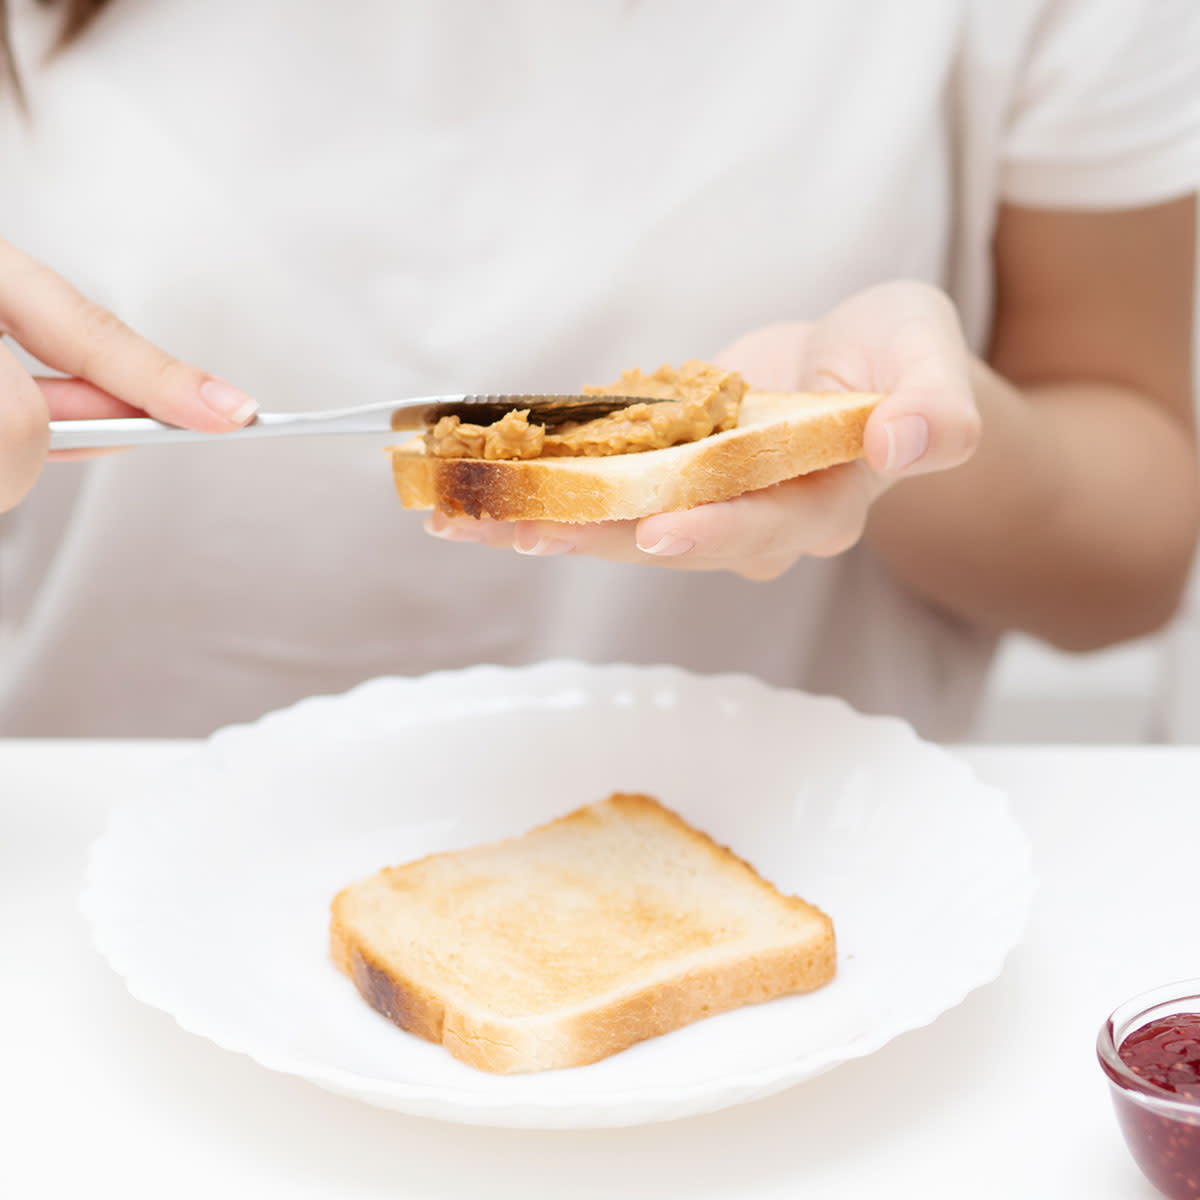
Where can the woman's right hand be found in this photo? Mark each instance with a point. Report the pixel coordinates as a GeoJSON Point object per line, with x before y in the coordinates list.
{"type": "Point", "coordinates": [111, 372]}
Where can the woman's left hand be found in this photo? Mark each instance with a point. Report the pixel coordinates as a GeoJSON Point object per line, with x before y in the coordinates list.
{"type": "Point", "coordinates": [902, 339]}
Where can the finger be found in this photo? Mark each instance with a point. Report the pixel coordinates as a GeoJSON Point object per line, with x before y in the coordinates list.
{"type": "Point", "coordinates": [479, 531]}
{"type": "Point", "coordinates": [820, 514]}
{"type": "Point", "coordinates": [610, 540]}
{"type": "Point", "coordinates": [92, 452]}
{"type": "Point", "coordinates": [75, 400]}
{"type": "Point", "coordinates": [24, 431]}
{"type": "Point", "coordinates": [613, 541]}
{"type": "Point", "coordinates": [68, 332]}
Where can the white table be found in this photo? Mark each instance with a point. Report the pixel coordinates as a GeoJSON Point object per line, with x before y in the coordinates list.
{"type": "Point", "coordinates": [1001, 1097]}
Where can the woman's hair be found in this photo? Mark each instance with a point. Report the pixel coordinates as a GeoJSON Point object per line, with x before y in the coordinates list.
{"type": "Point", "coordinates": [77, 15]}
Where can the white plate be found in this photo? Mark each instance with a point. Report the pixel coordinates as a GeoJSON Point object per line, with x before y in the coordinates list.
{"type": "Point", "coordinates": [210, 892]}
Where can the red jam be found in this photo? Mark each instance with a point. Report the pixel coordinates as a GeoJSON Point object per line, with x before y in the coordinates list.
{"type": "Point", "coordinates": [1166, 1054]}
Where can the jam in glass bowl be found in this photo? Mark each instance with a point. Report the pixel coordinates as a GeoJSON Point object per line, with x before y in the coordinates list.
{"type": "Point", "coordinates": [1150, 1050]}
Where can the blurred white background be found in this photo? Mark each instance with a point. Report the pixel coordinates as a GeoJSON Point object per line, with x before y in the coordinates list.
{"type": "Point", "coordinates": [1039, 695]}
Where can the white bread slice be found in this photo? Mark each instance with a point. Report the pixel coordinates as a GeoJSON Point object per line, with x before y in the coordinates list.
{"type": "Point", "coordinates": [615, 923]}
{"type": "Point", "coordinates": [779, 435]}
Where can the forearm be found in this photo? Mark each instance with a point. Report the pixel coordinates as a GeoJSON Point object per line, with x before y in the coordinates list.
{"type": "Point", "coordinates": [1075, 520]}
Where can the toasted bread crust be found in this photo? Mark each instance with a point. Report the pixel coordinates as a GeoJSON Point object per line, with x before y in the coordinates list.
{"type": "Point", "coordinates": [648, 1013]}
{"type": "Point", "coordinates": [496, 1043]}
{"type": "Point", "coordinates": [752, 456]}
{"type": "Point", "coordinates": [400, 1000]}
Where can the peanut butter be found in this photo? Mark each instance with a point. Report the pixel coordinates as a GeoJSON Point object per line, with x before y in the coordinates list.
{"type": "Point", "coordinates": [694, 401]}
{"type": "Point", "coordinates": [510, 437]}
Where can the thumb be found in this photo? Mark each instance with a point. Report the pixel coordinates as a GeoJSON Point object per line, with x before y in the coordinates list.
{"type": "Point", "coordinates": [923, 426]}
{"type": "Point", "coordinates": [904, 340]}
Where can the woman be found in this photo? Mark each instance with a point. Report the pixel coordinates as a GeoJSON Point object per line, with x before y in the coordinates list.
{"type": "Point", "coordinates": [986, 211]}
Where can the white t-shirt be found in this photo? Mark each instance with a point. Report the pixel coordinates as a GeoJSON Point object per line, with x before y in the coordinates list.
{"type": "Point", "coordinates": [338, 203]}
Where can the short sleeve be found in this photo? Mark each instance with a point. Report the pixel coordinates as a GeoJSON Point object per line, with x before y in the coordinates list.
{"type": "Point", "coordinates": [1106, 111]}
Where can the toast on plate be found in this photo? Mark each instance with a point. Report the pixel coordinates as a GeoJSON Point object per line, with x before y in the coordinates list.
{"type": "Point", "coordinates": [615, 923]}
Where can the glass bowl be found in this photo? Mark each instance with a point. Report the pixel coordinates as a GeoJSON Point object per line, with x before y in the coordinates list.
{"type": "Point", "coordinates": [1161, 1127]}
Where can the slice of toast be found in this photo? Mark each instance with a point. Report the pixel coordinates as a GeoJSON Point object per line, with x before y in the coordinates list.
{"type": "Point", "coordinates": [615, 923]}
{"type": "Point", "coordinates": [779, 435]}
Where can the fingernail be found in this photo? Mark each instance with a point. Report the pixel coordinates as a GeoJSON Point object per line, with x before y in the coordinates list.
{"type": "Point", "coordinates": [226, 401]}
{"type": "Point", "coordinates": [544, 547]}
{"type": "Point", "coordinates": [529, 541]}
{"type": "Point", "coordinates": [907, 439]}
{"type": "Point", "coordinates": [440, 526]}
{"type": "Point", "coordinates": [669, 545]}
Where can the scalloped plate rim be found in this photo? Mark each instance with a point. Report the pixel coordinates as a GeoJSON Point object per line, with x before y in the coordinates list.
{"type": "Point", "coordinates": [599, 1108]}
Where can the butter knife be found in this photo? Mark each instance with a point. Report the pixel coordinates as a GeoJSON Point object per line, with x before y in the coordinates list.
{"type": "Point", "coordinates": [383, 417]}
